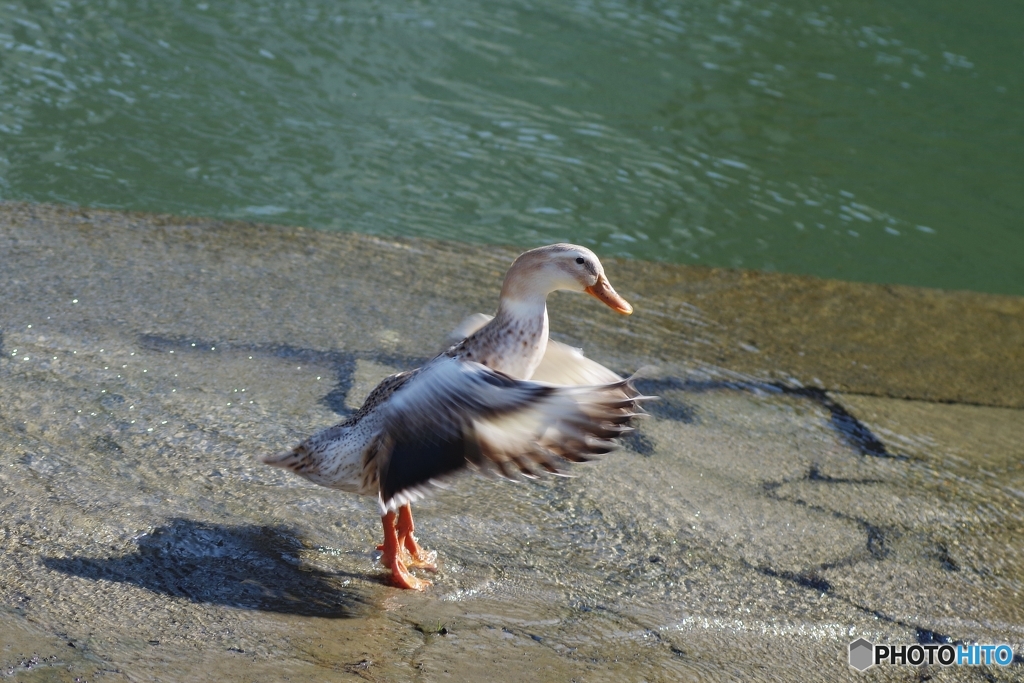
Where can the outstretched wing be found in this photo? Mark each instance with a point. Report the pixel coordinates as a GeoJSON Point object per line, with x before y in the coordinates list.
{"type": "Point", "coordinates": [564, 364]}
{"type": "Point", "coordinates": [455, 415]}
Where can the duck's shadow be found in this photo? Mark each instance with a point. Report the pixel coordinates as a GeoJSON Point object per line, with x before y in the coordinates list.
{"type": "Point", "coordinates": [244, 566]}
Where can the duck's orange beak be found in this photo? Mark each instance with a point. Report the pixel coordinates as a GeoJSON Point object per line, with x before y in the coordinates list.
{"type": "Point", "coordinates": [602, 290]}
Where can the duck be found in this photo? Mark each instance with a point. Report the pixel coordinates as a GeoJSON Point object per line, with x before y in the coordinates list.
{"type": "Point", "coordinates": [502, 399]}
{"type": "Point", "coordinates": [515, 339]}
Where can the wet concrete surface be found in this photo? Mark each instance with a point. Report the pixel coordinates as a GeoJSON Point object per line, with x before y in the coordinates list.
{"type": "Point", "coordinates": [828, 461]}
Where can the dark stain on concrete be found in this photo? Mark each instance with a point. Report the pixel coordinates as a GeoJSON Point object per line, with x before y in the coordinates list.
{"type": "Point", "coordinates": [875, 542]}
{"type": "Point", "coordinates": [639, 442]}
{"type": "Point", "coordinates": [945, 560]}
{"type": "Point", "coordinates": [855, 432]}
{"type": "Point", "coordinates": [807, 580]}
{"type": "Point", "coordinates": [814, 474]}
{"type": "Point", "coordinates": [106, 444]}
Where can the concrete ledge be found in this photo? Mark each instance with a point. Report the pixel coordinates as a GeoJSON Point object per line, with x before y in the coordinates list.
{"type": "Point", "coordinates": [895, 341]}
{"type": "Point", "coordinates": [749, 530]}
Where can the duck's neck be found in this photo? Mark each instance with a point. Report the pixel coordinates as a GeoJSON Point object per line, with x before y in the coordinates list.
{"type": "Point", "coordinates": [522, 311]}
{"type": "Point", "coordinates": [521, 330]}
{"type": "Point", "coordinates": [514, 341]}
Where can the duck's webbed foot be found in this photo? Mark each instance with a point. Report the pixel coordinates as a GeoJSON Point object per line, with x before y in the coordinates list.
{"type": "Point", "coordinates": [394, 556]}
{"type": "Point", "coordinates": [417, 555]}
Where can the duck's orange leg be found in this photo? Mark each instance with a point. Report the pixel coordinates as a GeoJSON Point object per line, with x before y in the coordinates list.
{"type": "Point", "coordinates": [392, 557]}
{"type": "Point", "coordinates": [418, 557]}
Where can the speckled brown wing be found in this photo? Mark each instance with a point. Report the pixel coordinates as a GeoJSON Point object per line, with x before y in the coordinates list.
{"type": "Point", "coordinates": [343, 456]}
{"type": "Point", "coordinates": [456, 415]}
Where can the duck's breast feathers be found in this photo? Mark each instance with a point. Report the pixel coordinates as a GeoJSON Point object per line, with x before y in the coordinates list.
{"type": "Point", "coordinates": [455, 415]}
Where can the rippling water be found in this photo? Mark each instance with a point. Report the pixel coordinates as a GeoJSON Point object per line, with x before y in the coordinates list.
{"type": "Point", "coordinates": [861, 141]}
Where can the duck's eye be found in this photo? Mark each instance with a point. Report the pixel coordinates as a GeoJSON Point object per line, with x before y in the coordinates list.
{"type": "Point", "coordinates": [579, 260]}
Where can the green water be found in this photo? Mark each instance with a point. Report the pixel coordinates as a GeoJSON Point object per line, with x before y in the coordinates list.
{"type": "Point", "coordinates": [871, 141]}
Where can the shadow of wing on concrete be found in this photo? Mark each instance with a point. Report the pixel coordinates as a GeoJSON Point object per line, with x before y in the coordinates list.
{"type": "Point", "coordinates": [244, 566]}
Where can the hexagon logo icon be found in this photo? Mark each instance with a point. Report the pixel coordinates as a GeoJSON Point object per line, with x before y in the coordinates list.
{"type": "Point", "coordinates": [862, 654]}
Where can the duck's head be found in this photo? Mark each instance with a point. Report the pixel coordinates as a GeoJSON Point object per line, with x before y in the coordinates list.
{"type": "Point", "coordinates": [538, 272]}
